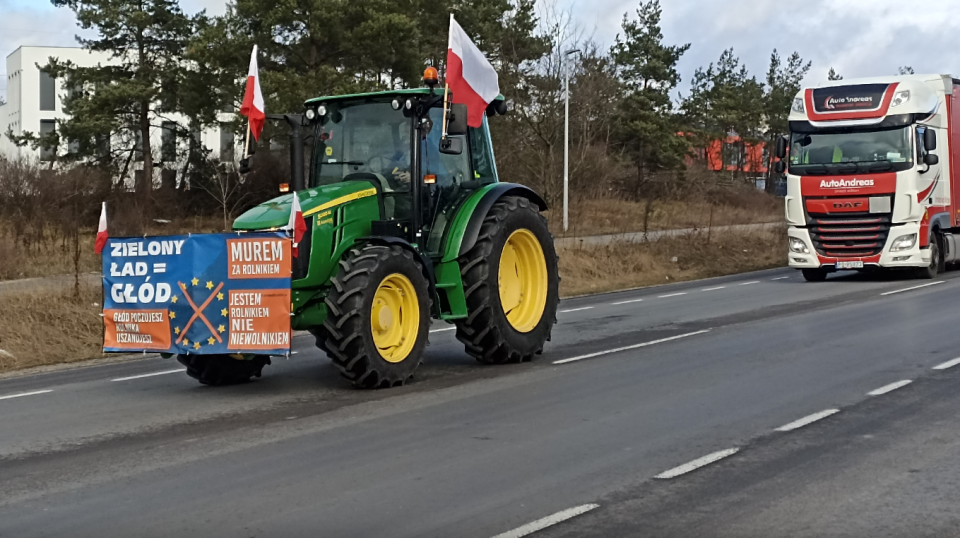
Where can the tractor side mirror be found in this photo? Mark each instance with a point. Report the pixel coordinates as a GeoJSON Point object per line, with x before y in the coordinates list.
{"type": "Point", "coordinates": [781, 147]}
{"type": "Point", "coordinates": [451, 146]}
{"type": "Point", "coordinates": [780, 167]}
{"type": "Point", "coordinates": [458, 120]}
{"type": "Point", "coordinates": [930, 159]}
{"type": "Point", "coordinates": [929, 139]}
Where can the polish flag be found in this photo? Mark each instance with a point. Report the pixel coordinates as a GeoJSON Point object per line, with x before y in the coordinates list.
{"type": "Point", "coordinates": [253, 107]}
{"type": "Point", "coordinates": [296, 224]}
{"type": "Point", "coordinates": [470, 76]}
{"type": "Point", "coordinates": [101, 230]}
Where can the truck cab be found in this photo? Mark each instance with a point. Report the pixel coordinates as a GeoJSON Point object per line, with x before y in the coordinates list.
{"type": "Point", "coordinates": [869, 175]}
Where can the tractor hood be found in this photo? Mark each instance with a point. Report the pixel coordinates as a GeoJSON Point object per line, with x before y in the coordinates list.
{"type": "Point", "coordinates": [276, 213]}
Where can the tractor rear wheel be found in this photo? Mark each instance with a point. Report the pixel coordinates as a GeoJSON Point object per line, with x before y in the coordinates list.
{"type": "Point", "coordinates": [378, 316]}
{"type": "Point", "coordinates": [217, 370]}
{"type": "Point", "coordinates": [511, 284]}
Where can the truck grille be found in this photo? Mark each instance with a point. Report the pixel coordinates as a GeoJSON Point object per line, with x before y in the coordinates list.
{"type": "Point", "coordinates": [850, 236]}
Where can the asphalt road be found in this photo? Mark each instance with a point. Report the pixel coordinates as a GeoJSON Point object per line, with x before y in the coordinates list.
{"type": "Point", "coordinates": [635, 385]}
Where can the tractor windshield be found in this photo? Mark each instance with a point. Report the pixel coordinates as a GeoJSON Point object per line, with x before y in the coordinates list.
{"type": "Point", "coordinates": [365, 140]}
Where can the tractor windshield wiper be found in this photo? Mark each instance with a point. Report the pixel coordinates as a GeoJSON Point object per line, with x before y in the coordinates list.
{"type": "Point", "coordinates": [348, 163]}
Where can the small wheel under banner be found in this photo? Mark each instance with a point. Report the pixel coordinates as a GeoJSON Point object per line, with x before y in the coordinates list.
{"type": "Point", "coordinates": [219, 370]}
{"type": "Point", "coordinates": [379, 316]}
{"type": "Point", "coordinates": [511, 285]}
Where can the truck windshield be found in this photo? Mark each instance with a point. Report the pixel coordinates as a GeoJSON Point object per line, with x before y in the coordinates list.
{"type": "Point", "coordinates": [891, 148]}
{"type": "Point", "coordinates": [368, 140]}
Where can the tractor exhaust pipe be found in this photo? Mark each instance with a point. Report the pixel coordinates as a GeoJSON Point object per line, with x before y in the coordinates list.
{"type": "Point", "coordinates": [296, 151]}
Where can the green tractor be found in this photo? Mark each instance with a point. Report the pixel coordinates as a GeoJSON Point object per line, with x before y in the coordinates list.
{"type": "Point", "coordinates": [407, 223]}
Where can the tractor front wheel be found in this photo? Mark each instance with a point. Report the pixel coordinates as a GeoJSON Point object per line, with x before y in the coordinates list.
{"type": "Point", "coordinates": [511, 284]}
{"type": "Point", "coordinates": [378, 316]}
{"type": "Point", "coordinates": [217, 370]}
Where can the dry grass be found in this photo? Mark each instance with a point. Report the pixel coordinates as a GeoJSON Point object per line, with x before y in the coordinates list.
{"type": "Point", "coordinates": [49, 327]}
{"type": "Point", "coordinates": [628, 265]}
{"type": "Point", "coordinates": [605, 216]}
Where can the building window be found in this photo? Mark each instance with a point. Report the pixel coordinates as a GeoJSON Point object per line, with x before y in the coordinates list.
{"type": "Point", "coordinates": [168, 142]}
{"type": "Point", "coordinates": [226, 143]}
{"type": "Point", "coordinates": [47, 152]}
{"type": "Point", "coordinates": [48, 92]}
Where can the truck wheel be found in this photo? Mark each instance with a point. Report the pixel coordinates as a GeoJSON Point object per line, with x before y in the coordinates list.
{"type": "Point", "coordinates": [814, 275]}
{"type": "Point", "coordinates": [379, 316]}
{"type": "Point", "coordinates": [930, 272]}
{"type": "Point", "coordinates": [511, 285]}
{"type": "Point", "coordinates": [217, 370]}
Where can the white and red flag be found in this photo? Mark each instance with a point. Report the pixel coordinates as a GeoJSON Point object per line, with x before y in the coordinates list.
{"type": "Point", "coordinates": [296, 225]}
{"type": "Point", "coordinates": [102, 235]}
{"type": "Point", "coordinates": [253, 107]}
{"type": "Point", "coordinates": [472, 79]}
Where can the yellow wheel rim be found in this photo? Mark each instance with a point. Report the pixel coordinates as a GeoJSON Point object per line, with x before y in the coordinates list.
{"type": "Point", "coordinates": [523, 280]}
{"type": "Point", "coordinates": [395, 318]}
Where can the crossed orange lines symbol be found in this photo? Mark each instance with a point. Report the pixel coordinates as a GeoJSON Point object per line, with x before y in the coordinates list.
{"type": "Point", "coordinates": [198, 312]}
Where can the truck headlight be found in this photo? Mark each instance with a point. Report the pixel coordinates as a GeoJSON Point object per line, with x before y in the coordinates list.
{"type": "Point", "coordinates": [798, 105]}
{"type": "Point", "coordinates": [904, 242]}
{"type": "Point", "coordinates": [797, 245]}
{"type": "Point", "coordinates": [900, 98]}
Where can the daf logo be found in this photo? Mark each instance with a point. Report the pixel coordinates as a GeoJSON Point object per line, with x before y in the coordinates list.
{"type": "Point", "coordinates": [847, 205]}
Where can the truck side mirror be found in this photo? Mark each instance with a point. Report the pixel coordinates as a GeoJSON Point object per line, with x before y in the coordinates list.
{"type": "Point", "coordinates": [458, 120]}
{"type": "Point", "coordinates": [780, 167]}
{"type": "Point", "coordinates": [930, 139]}
{"type": "Point", "coordinates": [451, 146]}
{"type": "Point", "coordinates": [930, 159]}
{"type": "Point", "coordinates": [781, 151]}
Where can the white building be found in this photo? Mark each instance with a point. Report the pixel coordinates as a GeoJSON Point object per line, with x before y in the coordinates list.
{"type": "Point", "coordinates": [35, 103]}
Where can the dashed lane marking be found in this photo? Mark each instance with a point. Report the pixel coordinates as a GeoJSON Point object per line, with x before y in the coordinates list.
{"type": "Point", "coordinates": [697, 463]}
{"type": "Point", "coordinates": [748, 283]}
{"type": "Point", "coordinates": [576, 309]}
{"type": "Point", "coordinates": [713, 289]}
{"type": "Point", "coordinates": [165, 372]}
{"type": "Point", "coordinates": [548, 521]}
{"type": "Point", "coordinates": [628, 302]}
{"type": "Point", "coordinates": [806, 420]}
{"type": "Point", "coordinates": [442, 330]}
{"type": "Point", "coordinates": [627, 348]}
{"type": "Point", "coordinates": [913, 287]}
{"type": "Point", "coordinates": [22, 394]}
{"type": "Point", "coordinates": [948, 364]}
{"type": "Point", "coordinates": [889, 388]}
{"type": "Point", "coordinates": [672, 295]}
{"type": "Point", "coordinates": [780, 278]}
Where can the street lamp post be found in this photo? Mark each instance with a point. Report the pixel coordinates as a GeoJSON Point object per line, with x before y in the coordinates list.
{"type": "Point", "coordinates": [566, 139]}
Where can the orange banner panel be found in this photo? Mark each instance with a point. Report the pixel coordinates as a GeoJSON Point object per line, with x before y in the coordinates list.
{"type": "Point", "coordinates": [136, 329]}
{"type": "Point", "coordinates": [258, 258]}
{"type": "Point", "coordinates": [259, 319]}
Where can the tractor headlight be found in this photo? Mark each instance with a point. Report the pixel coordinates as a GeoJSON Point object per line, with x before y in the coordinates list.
{"type": "Point", "coordinates": [798, 105]}
{"type": "Point", "coordinates": [904, 242]}
{"type": "Point", "coordinates": [797, 245]}
{"type": "Point", "coordinates": [395, 103]}
{"type": "Point", "coordinates": [321, 110]}
{"type": "Point", "coordinates": [900, 98]}
{"type": "Point", "coordinates": [311, 114]}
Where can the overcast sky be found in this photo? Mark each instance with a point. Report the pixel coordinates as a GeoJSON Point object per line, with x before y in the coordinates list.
{"type": "Point", "coordinates": [857, 37]}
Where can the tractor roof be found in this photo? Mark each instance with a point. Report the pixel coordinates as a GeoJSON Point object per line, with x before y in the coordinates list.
{"type": "Point", "coordinates": [387, 93]}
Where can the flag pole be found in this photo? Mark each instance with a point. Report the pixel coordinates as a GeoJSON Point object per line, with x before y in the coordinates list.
{"type": "Point", "coordinates": [446, 89]}
{"type": "Point", "coordinates": [246, 144]}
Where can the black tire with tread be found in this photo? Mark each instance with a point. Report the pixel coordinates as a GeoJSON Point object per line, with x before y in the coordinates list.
{"type": "Point", "coordinates": [936, 260]}
{"type": "Point", "coordinates": [349, 338]}
{"type": "Point", "coordinates": [814, 275]}
{"type": "Point", "coordinates": [486, 333]}
{"type": "Point", "coordinates": [219, 370]}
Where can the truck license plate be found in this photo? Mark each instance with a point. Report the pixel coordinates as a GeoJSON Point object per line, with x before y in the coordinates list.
{"type": "Point", "coordinates": [850, 265]}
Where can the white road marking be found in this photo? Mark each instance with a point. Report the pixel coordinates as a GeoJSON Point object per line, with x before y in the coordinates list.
{"type": "Point", "coordinates": [806, 420]}
{"type": "Point", "coordinates": [576, 309]}
{"type": "Point", "coordinates": [889, 388]}
{"type": "Point", "coordinates": [443, 329]}
{"type": "Point", "coordinates": [635, 346]}
{"type": "Point", "coordinates": [713, 289]}
{"type": "Point", "coordinates": [628, 302]}
{"type": "Point", "coordinates": [914, 287]}
{"type": "Point", "coordinates": [25, 394]}
{"type": "Point", "coordinates": [780, 278]}
{"type": "Point", "coordinates": [697, 463]}
{"type": "Point", "coordinates": [165, 372]}
{"type": "Point", "coordinates": [748, 283]}
{"type": "Point", "coordinates": [548, 521]}
{"type": "Point", "coordinates": [672, 295]}
{"type": "Point", "coordinates": [948, 364]}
